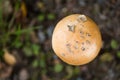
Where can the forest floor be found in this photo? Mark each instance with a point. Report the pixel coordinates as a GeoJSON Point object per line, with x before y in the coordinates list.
{"type": "Point", "coordinates": [26, 28]}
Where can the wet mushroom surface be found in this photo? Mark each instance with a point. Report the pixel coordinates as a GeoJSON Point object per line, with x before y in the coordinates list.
{"type": "Point", "coordinates": [76, 39]}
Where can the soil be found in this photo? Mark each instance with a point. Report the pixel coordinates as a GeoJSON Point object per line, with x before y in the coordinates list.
{"type": "Point", "coordinates": [33, 52]}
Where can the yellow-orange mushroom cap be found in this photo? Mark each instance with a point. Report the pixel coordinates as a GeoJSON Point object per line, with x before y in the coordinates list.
{"type": "Point", "coordinates": [76, 39]}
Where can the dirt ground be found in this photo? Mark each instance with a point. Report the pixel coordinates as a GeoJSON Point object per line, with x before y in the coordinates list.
{"type": "Point", "coordinates": [26, 28]}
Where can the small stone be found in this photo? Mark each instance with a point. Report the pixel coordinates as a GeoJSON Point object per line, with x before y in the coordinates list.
{"type": "Point", "coordinates": [82, 3]}
{"type": "Point", "coordinates": [41, 36]}
{"type": "Point", "coordinates": [50, 30]}
{"type": "Point", "coordinates": [23, 75]}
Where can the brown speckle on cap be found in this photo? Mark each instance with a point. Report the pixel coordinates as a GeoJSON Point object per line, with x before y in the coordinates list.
{"type": "Point", "coordinates": [82, 18]}
{"type": "Point", "coordinates": [71, 28]}
{"type": "Point", "coordinates": [88, 34]}
{"type": "Point", "coordinates": [82, 48]}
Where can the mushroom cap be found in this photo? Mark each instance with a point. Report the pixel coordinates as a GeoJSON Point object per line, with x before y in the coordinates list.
{"type": "Point", "coordinates": [76, 39]}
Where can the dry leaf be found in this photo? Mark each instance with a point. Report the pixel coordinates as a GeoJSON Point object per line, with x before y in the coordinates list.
{"type": "Point", "coordinates": [9, 58]}
{"type": "Point", "coordinates": [23, 9]}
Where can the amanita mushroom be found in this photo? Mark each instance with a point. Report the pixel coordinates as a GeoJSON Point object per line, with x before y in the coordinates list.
{"type": "Point", "coordinates": [76, 39]}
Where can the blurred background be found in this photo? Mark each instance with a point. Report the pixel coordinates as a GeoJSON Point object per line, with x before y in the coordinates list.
{"type": "Point", "coordinates": [26, 28]}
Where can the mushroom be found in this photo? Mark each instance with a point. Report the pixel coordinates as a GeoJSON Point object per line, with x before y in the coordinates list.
{"type": "Point", "coordinates": [76, 39]}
